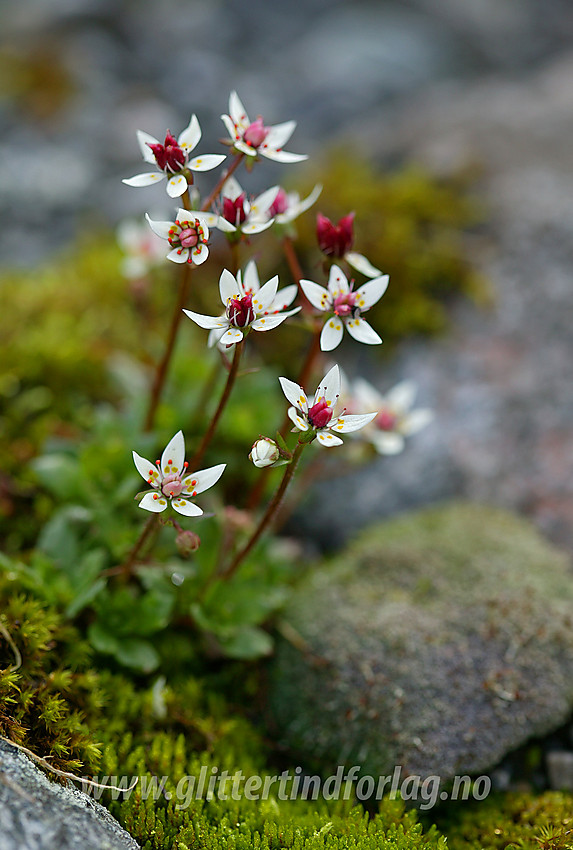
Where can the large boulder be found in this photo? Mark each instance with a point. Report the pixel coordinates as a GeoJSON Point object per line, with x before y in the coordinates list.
{"type": "Point", "coordinates": [436, 642]}
{"type": "Point", "coordinates": [37, 814]}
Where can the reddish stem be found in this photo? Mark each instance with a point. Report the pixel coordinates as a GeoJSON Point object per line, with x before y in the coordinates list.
{"type": "Point", "coordinates": [220, 183]}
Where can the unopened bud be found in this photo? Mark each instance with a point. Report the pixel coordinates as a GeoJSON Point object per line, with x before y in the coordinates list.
{"type": "Point", "coordinates": [187, 542]}
{"type": "Point", "coordinates": [265, 452]}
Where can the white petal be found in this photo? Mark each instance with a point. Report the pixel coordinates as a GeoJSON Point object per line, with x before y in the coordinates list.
{"type": "Point", "coordinates": [329, 387]}
{"type": "Point", "coordinates": [224, 226]}
{"type": "Point", "coordinates": [256, 226]}
{"type": "Point", "coordinates": [318, 296]}
{"type": "Point", "coordinates": [228, 286]}
{"type": "Point", "coordinates": [294, 393]}
{"type": "Point", "coordinates": [415, 421]}
{"type": "Point", "coordinates": [197, 482]}
{"type": "Point", "coordinates": [310, 200]}
{"type": "Point", "coordinates": [278, 135]}
{"type": "Point", "coordinates": [191, 135]}
{"type": "Point", "coordinates": [362, 331]}
{"type": "Point", "coordinates": [214, 336]}
{"type": "Point", "coordinates": [144, 140]}
{"type": "Point", "coordinates": [401, 397]}
{"type": "Point", "coordinates": [231, 336]}
{"type": "Point", "coordinates": [284, 297]}
{"type": "Point", "coordinates": [361, 264]}
{"type": "Point", "coordinates": [185, 507]}
{"type": "Point", "coordinates": [282, 156]}
{"type": "Point", "coordinates": [245, 148]}
{"type": "Point", "coordinates": [206, 162]}
{"type": "Point", "coordinates": [267, 323]}
{"type": "Point", "coordinates": [332, 334]}
{"type": "Point", "coordinates": [260, 205]}
{"type": "Point", "coordinates": [154, 502]}
{"type": "Point", "coordinates": [231, 189]}
{"type": "Point", "coordinates": [144, 179]}
{"type": "Point", "coordinates": [174, 452]}
{"type": "Point", "coordinates": [237, 111]}
{"type": "Point", "coordinates": [386, 442]}
{"type": "Point", "coordinates": [337, 281]}
{"type": "Point", "coordinates": [263, 299]}
{"type": "Point", "coordinates": [178, 255]}
{"type": "Point", "coordinates": [371, 292]}
{"type": "Point", "coordinates": [161, 228]}
{"type": "Point", "coordinates": [352, 422]}
{"type": "Point", "coordinates": [228, 122]}
{"type": "Point", "coordinates": [325, 438]}
{"type": "Point", "coordinates": [295, 417]}
{"type": "Point", "coordinates": [176, 186]}
{"type": "Point", "coordinates": [199, 253]}
{"type": "Point", "coordinates": [366, 395]}
{"type": "Point", "coordinates": [251, 280]}
{"type": "Point", "coordinates": [208, 322]}
{"type": "Point", "coordinates": [146, 469]}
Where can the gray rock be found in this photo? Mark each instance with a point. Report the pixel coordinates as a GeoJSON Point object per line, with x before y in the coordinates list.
{"type": "Point", "coordinates": [560, 769]}
{"type": "Point", "coordinates": [437, 642]}
{"type": "Point", "coordinates": [37, 814]}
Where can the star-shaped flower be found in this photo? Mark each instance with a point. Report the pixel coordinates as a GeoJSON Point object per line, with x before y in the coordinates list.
{"type": "Point", "coordinates": [243, 215]}
{"type": "Point", "coordinates": [287, 205]}
{"type": "Point", "coordinates": [188, 235]}
{"type": "Point", "coordinates": [395, 419]}
{"type": "Point", "coordinates": [245, 309]}
{"type": "Point", "coordinates": [172, 158]}
{"type": "Point", "coordinates": [317, 417]}
{"type": "Point", "coordinates": [254, 138]}
{"type": "Point", "coordinates": [171, 482]}
{"type": "Point", "coordinates": [345, 306]}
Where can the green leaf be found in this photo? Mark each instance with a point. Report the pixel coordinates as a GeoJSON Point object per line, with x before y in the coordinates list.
{"type": "Point", "coordinates": [137, 654]}
{"type": "Point", "coordinates": [60, 474]}
{"type": "Point", "coordinates": [102, 640]}
{"type": "Point", "coordinates": [248, 643]}
{"type": "Point", "coordinates": [84, 597]}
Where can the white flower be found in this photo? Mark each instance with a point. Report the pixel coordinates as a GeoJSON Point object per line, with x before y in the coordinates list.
{"type": "Point", "coordinates": [143, 250]}
{"type": "Point", "coordinates": [171, 482]}
{"type": "Point", "coordinates": [265, 452]}
{"type": "Point", "coordinates": [172, 159]}
{"type": "Point", "coordinates": [243, 215]}
{"type": "Point", "coordinates": [188, 235]}
{"type": "Point", "coordinates": [287, 205]}
{"type": "Point", "coordinates": [253, 138]}
{"type": "Point", "coordinates": [244, 309]}
{"type": "Point", "coordinates": [345, 306]}
{"type": "Point", "coordinates": [318, 416]}
{"type": "Point", "coordinates": [336, 240]}
{"type": "Point", "coordinates": [395, 419]}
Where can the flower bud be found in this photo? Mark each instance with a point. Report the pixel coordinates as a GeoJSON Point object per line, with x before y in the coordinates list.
{"type": "Point", "coordinates": [265, 452]}
{"type": "Point", "coordinates": [187, 542]}
{"type": "Point", "coordinates": [335, 240]}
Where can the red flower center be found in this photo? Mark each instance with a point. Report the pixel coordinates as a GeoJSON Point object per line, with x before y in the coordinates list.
{"type": "Point", "coordinates": [320, 414]}
{"type": "Point", "coordinates": [168, 156]}
{"type": "Point", "coordinates": [344, 304]}
{"type": "Point", "coordinates": [234, 211]}
{"type": "Point", "coordinates": [335, 240]}
{"type": "Point", "coordinates": [240, 311]}
{"type": "Point", "coordinates": [386, 420]}
{"type": "Point", "coordinates": [280, 203]}
{"type": "Point", "coordinates": [256, 133]}
{"type": "Point", "coordinates": [172, 485]}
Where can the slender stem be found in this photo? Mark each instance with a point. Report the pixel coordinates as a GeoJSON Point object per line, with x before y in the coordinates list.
{"type": "Point", "coordinates": [209, 434]}
{"type": "Point", "coordinates": [163, 367]}
{"type": "Point", "coordinates": [219, 185]}
{"type": "Point", "coordinates": [126, 567]}
{"type": "Point", "coordinates": [268, 516]}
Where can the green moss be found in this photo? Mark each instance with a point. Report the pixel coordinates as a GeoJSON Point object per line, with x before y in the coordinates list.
{"type": "Point", "coordinates": [512, 821]}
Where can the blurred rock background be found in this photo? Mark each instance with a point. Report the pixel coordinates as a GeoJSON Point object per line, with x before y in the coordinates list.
{"type": "Point", "coordinates": [485, 84]}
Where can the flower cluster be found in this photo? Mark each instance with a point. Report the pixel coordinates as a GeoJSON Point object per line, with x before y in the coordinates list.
{"type": "Point", "coordinates": [332, 306]}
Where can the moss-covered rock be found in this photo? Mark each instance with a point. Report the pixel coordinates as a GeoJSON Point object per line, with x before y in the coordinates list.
{"type": "Point", "coordinates": [438, 641]}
